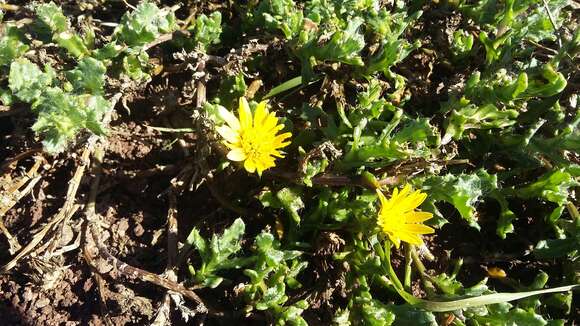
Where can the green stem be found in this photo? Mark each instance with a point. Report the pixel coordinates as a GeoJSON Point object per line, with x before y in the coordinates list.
{"type": "Point", "coordinates": [573, 212]}
{"type": "Point", "coordinates": [417, 261]}
{"type": "Point", "coordinates": [408, 264]}
{"type": "Point", "coordinates": [421, 268]}
{"type": "Point", "coordinates": [393, 276]}
{"type": "Point", "coordinates": [443, 306]}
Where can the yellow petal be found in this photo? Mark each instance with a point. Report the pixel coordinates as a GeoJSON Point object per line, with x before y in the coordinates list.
{"type": "Point", "coordinates": [382, 197]}
{"type": "Point", "coordinates": [411, 201]}
{"type": "Point", "coordinates": [229, 118]}
{"type": "Point", "coordinates": [278, 154]}
{"type": "Point", "coordinates": [395, 194]}
{"type": "Point", "coordinates": [260, 114]}
{"type": "Point", "coordinates": [411, 238]}
{"type": "Point", "coordinates": [281, 137]}
{"type": "Point", "coordinates": [280, 142]}
{"type": "Point", "coordinates": [416, 199]}
{"type": "Point", "coordinates": [250, 166]}
{"type": "Point", "coordinates": [228, 134]}
{"type": "Point", "coordinates": [245, 114]}
{"type": "Point", "coordinates": [417, 217]}
{"type": "Point", "coordinates": [260, 168]}
{"type": "Point", "coordinates": [405, 190]}
{"type": "Point", "coordinates": [231, 145]}
{"type": "Point", "coordinates": [395, 240]}
{"type": "Point", "coordinates": [418, 228]}
{"type": "Point", "coordinates": [237, 155]}
{"type": "Point", "coordinates": [270, 121]}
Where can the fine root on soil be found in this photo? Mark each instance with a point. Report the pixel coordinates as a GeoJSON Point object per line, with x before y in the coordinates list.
{"type": "Point", "coordinates": [92, 230]}
{"type": "Point", "coordinates": [12, 194]}
{"type": "Point", "coordinates": [163, 316]}
{"type": "Point", "coordinates": [66, 212]}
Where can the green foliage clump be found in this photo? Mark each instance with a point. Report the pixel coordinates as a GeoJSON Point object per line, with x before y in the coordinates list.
{"type": "Point", "coordinates": [472, 102]}
{"type": "Point", "coordinates": [217, 254]}
{"type": "Point", "coordinates": [51, 16]}
{"type": "Point", "coordinates": [61, 115]}
{"type": "Point", "coordinates": [144, 25]}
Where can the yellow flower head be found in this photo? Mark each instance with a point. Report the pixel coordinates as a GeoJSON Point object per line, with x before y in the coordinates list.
{"type": "Point", "coordinates": [398, 218]}
{"type": "Point", "coordinates": [253, 139]}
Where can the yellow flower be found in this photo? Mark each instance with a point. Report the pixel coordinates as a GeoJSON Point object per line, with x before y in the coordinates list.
{"type": "Point", "coordinates": [398, 218]}
{"type": "Point", "coordinates": [253, 139]}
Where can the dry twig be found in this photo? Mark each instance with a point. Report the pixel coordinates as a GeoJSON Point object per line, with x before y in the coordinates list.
{"type": "Point", "coordinates": [7, 163]}
{"type": "Point", "coordinates": [143, 275]}
{"type": "Point", "coordinates": [12, 194]}
{"type": "Point", "coordinates": [69, 209]}
{"type": "Point", "coordinates": [163, 313]}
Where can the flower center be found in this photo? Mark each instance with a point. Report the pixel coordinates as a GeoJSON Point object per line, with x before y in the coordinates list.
{"type": "Point", "coordinates": [394, 220]}
{"type": "Point", "coordinates": [251, 143]}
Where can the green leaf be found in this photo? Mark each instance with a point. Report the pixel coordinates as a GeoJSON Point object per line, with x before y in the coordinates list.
{"type": "Point", "coordinates": [88, 76]}
{"type": "Point", "coordinates": [212, 281]}
{"type": "Point", "coordinates": [292, 314]}
{"type": "Point", "coordinates": [200, 244]}
{"type": "Point", "coordinates": [552, 186]}
{"type": "Point", "coordinates": [560, 301]}
{"type": "Point", "coordinates": [473, 117]}
{"type": "Point", "coordinates": [11, 45]}
{"type": "Point", "coordinates": [283, 15]}
{"type": "Point", "coordinates": [512, 91]}
{"type": "Point", "coordinates": [407, 315]}
{"type": "Point", "coordinates": [389, 55]}
{"type": "Point", "coordinates": [549, 83]}
{"type": "Point", "coordinates": [557, 248]}
{"type": "Point", "coordinates": [488, 299]}
{"type": "Point", "coordinates": [144, 24]}
{"type": "Point", "coordinates": [253, 275]}
{"type": "Point", "coordinates": [506, 216]}
{"type": "Point", "coordinates": [217, 254]}
{"type": "Point", "coordinates": [27, 81]}
{"type": "Point", "coordinates": [290, 200]}
{"type": "Point", "coordinates": [494, 48]}
{"type": "Point", "coordinates": [287, 85]}
{"type": "Point", "coordinates": [108, 51]}
{"type": "Point", "coordinates": [231, 89]}
{"type": "Point", "coordinates": [375, 313]}
{"type": "Point", "coordinates": [273, 296]}
{"type": "Point", "coordinates": [313, 168]}
{"type": "Point", "coordinates": [73, 43]}
{"type": "Point", "coordinates": [6, 97]}
{"type": "Point", "coordinates": [228, 243]}
{"type": "Point", "coordinates": [342, 317]}
{"type": "Point", "coordinates": [51, 15]}
{"type": "Point", "coordinates": [61, 116]}
{"type": "Point", "coordinates": [462, 191]}
{"type": "Point", "coordinates": [462, 43]}
{"type": "Point", "coordinates": [416, 138]}
{"type": "Point", "coordinates": [95, 107]}
{"type": "Point", "coordinates": [514, 317]}
{"type": "Point", "coordinates": [207, 30]}
{"type": "Point", "coordinates": [265, 242]}
{"type": "Point", "coordinates": [344, 46]}
{"type": "Point", "coordinates": [134, 66]}
{"type": "Point", "coordinates": [268, 199]}
{"type": "Point", "coordinates": [447, 284]}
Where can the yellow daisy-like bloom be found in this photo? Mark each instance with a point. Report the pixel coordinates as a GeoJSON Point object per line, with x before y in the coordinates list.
{"type": "Point", "coordinates": [398, 218]}
{"type": "Point", "coordinates": [253, 139]}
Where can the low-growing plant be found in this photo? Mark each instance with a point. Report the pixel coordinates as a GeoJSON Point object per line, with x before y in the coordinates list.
{"type": "Point", "coordinates": [368, 148]}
